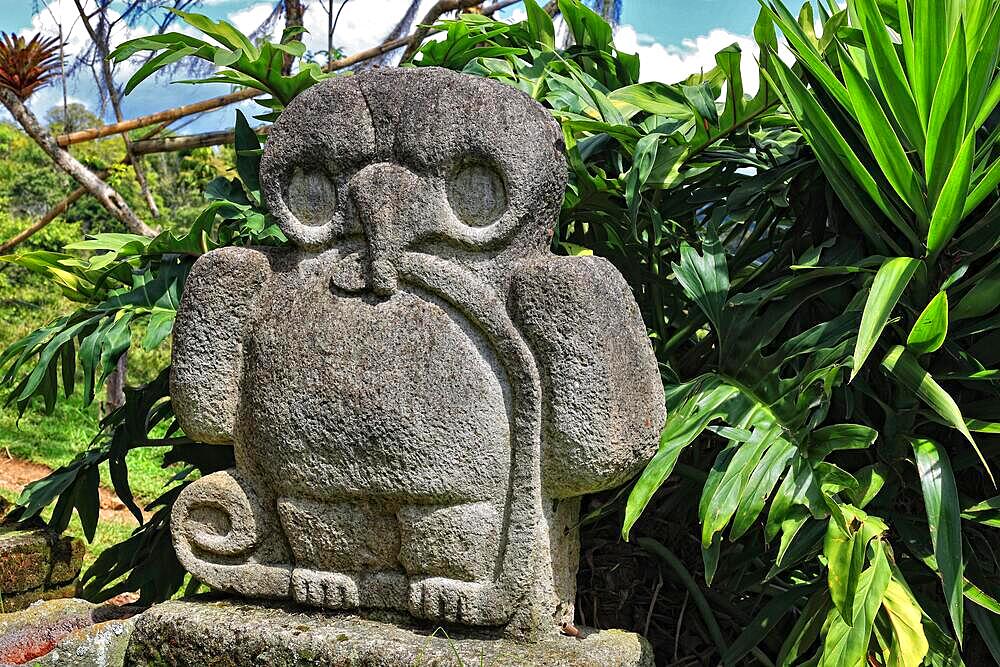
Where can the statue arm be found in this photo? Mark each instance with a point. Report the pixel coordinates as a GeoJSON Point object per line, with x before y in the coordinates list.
{"type": "Point", "coordinates": [602, 405]}
{"type": "Point", "coordinates": [207, 356]}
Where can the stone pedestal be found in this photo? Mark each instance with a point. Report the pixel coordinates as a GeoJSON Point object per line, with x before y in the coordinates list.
{"type": "Point", "coordinates": [205, 631]}
{"type": "Point", "coordinates": [64, 633]}
{"type": "Point", "coordinates": [36, 565]}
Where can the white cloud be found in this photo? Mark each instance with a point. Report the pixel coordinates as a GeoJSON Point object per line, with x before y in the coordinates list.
{"type": "Point", "coordinates": [670, 64]}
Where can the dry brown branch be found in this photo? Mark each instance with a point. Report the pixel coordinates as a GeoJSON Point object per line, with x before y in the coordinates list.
{"type": "Point", "coordinates": [189, 141]}
{"type": "Point", "coordinates": [64, 205]}
{"type": "Point", "coordinates": [51, 215]}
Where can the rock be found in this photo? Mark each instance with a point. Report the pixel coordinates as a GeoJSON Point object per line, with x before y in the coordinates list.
{"type": "Point", "coordinates": [66, 633]}
{"type": "Point", "coordinates": [36, 565]}
{"type": "Point", "coordinates": [419, 392]}
{"type": "Point", "coordinates": [185, 633]}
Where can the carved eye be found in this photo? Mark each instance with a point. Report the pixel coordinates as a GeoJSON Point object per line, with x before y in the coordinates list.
{"type": "Point", "coordinates": [312, 197]}
{"type": "Point", "coordinates": [477, 194]}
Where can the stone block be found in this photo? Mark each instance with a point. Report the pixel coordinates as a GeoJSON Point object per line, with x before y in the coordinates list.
{"type": "Point", "coordinates": [197, 632]}
{"type": "Point", "coordinates": [36, 565]}
{"type": "Point", "coordinates": [66, 633]}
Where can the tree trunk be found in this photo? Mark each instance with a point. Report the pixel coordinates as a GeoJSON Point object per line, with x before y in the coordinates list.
{"type": "Point", "coordinates": [115, 386]}
{"type": "Point", "coordinates": [104, 193]}
{"type": "Point", "coordinates": [101, 36]}
{"type": "Point", "coordinates": [293, 18]}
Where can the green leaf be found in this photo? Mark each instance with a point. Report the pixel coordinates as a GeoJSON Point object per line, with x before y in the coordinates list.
{"type": "Point", "coordinates": [982, 299]}
{"type": "Point", "coordinates": [161, 321]}
{"type": "Point", "coordinates": [943, 518]}
{"type": "Point", "coordinates": [929, 49]}
{"type": "Point", "coordinates": [870, 479]}
{"type": "Point", "coordinates": [721, 502]}
{"type": "Point", "coordinates": [247, 156]}
{"type": "Point", "coordinates": [845, 556]}
{"type": "Point", "coordinates": [988, 626]}
{"type": "Point", "coordinates": [905, 367]}
{"type": "Point", "coordinates": [890, 281]}
{"type": "Point", "coordinates": [705, 405]}
{"type": "Point", "coordinates": [882, 140]}
{"type": "Point", "coordinates": [705, 277]}
{"type": "Point", "coordinates": [837, 437]}
{"type": "Point", "coordinates": [652, 97]}
{"type": "Point", "coordinates": [540, 25]}
{"type": "Point", "coordinates": [909, 644]}
{"type": "Point", "coordinates": [761, 485]}
{"type": "Point", "coordinates": [888, 69]}
{"type": "Point", "coordinates": [839, 160]}
{"type": "Point", "coordinates": [946, 124]}
{"type": "Point", "coordinates": [846, 644]}
{"type": "Point", "coordinates": [950, 204]}
{"type": "Point", "coordinates": [806, 629]}
{"type": "Point", "coordinates": [931, 328]}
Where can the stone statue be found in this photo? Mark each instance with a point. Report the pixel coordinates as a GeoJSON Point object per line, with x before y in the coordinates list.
{"type": "Point", "coordinates": [418, 392]}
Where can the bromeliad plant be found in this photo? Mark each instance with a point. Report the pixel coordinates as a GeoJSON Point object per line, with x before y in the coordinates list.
{"type": "Point", "coordinates": [774, 243]}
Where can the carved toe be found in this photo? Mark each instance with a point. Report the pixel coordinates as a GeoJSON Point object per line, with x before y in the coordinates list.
{"type": "Point", "coordinates": [449, 601]}
{"type": "Point", "coordinates": [332, 590]}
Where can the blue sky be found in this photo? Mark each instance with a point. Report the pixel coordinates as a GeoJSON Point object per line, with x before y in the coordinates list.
{"type": "Point", "coordinates": [673, 37]}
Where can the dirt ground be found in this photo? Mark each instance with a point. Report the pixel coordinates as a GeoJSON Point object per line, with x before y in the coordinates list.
{"type": "Point", "coordinates": [15, 474]}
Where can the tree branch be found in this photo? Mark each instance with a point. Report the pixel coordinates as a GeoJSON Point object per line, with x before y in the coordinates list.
{"type": "Point", "coordinates": [248, 93]}
{"type": "Point", "coordinates": [158, 117]}
{"type": "Point", "coordinates": [104, 193]}
{"type": "Point", "coordinates": [101, 37]}
{"type": "Point", "coordinates": [51, 215]}
{"type": "Point", "coordinates": [66, 202]}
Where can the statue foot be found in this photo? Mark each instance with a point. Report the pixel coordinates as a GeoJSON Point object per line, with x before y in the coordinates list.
{"type": "Point", "coordinates": [451, 601]}
{"type": "Point", "coordinates": [332, 590]}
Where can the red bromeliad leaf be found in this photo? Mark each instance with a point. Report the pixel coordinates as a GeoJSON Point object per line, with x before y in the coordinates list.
{"type": "Point", "coordinates": [27, 65]}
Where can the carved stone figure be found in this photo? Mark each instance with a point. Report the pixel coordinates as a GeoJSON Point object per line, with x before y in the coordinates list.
{"type": "Point", "coordinates": [419, 392]}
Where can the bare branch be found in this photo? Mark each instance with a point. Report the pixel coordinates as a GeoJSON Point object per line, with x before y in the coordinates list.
{"type": "Point", "coordinates": [51, 215]}
{"type": "Point", "coordinates": [101, 36]}
{"type": "Point", "coordinates": [68, 201]}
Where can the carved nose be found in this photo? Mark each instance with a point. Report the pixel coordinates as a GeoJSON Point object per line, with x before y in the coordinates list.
{"type": "Point", "coordinates": [384, 198]}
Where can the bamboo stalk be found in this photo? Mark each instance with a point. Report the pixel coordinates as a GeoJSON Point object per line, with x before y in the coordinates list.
{"type": "Point", "coordinates": [189, 141]}
{"type": "Point", "coordinates": [158, 117]}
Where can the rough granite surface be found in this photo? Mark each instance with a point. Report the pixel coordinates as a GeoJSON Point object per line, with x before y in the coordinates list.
{"type": "Point", "coordinates": [184, 633]}
{"type": "Point", "coordinates": [419, 391]}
